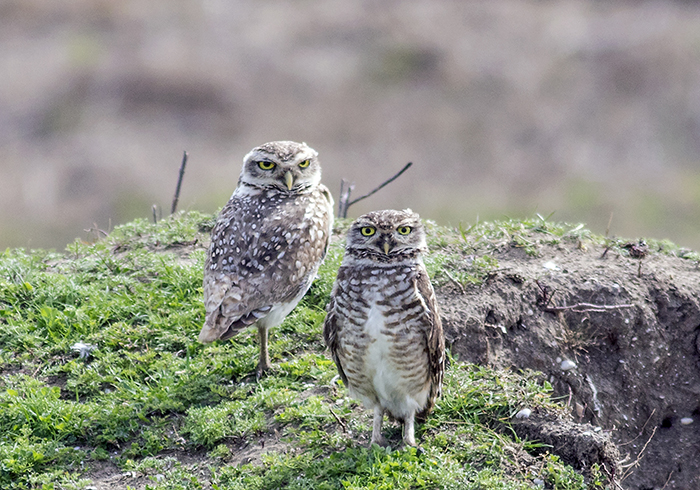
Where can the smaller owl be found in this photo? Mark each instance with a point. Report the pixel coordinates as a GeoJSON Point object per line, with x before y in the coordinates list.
{"type": "Point", "coordinates": [268, 243]}
{"type": "Point", "coordinates": [383, 326]}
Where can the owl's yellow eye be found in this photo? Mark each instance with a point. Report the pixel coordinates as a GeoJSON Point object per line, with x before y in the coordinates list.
{"type": "Point", "coordinates": [404, 230]}
{"type": "Point", "coordinates": [305, 163]}
{"type": "Point", "coordinates": [265, 165]}
{"type": "Point", "coordinates": [367, 230]}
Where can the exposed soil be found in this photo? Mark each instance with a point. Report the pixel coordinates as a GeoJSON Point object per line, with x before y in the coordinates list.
{"type": "Point", "coordinates": [618, 337]}
{"type": "Point", "coordinates": [630, 334]}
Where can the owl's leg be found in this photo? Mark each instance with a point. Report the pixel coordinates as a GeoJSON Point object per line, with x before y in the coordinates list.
{"type": "Point", "coordinates": [377, 426]}
{"type": "Point", "coordinates": [409, 438]}
{"type": "Point", "coordinates": [264, 362]}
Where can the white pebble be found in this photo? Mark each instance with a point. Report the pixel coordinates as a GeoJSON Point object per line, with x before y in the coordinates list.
{"type": "Point", "coordinates": [523, 414]}
{"type": "Point", "coordinates": [568, 365]}
{"type": "Point", "coordinates": [686, 421]}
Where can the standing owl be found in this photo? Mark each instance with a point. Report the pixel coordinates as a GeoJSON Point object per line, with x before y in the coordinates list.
{"type": "Point", "coordinates": [383, 327]}
{"type": "Point", "coordinates": [267, 244]}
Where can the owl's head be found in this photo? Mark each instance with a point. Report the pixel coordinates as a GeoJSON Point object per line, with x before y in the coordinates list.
{"type": "Point", "coordinates": [284, 165]}
{"type": "Point", "coordinates": [387, 234]}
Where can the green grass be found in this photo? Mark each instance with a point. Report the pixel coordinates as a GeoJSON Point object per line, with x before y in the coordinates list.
{"type": "Point", "coordinates": [148, 394]}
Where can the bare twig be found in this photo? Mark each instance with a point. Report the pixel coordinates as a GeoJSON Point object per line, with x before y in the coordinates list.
{"type": "Point", "coordinates": [96, 231]}
{"type": "Point", "coordinates": [344, 202]}
{"type": "Point", "coordinates": [179, 183]}
{"type": "Point", "coordinates": [584, 308]}
{"type": "Point", "coordinates": [342, 424]}
{"type": "Point", "coordinates": [454, 281]}
{"type": "Point", "coordinates": [155, 214]}
{"type": "Point", "coordinates": [346, 189]}
{"type": "Point", "coordinates": [641, 431]}
{"type": "Point", "coordinates": [548, 294]}
{"type": "Point", "coordinates": [628, 468]}
{"type": "Point", "coordinates": [667, 480]}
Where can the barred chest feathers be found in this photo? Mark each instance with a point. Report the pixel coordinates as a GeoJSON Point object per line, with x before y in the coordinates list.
{"type": "Point", "coordinates": [392, 364]}
{"type": "Point", "coordinates": [383, 327]}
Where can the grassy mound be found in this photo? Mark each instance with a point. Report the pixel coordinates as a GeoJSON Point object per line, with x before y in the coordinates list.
{"type": "Point", "coordinates": [102, 381]}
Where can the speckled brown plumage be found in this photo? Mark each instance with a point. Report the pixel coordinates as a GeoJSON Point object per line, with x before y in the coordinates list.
{"type": "Point", "coordinates": [267, 244]}
{"type": "Point", "coordinates": [383, 327]}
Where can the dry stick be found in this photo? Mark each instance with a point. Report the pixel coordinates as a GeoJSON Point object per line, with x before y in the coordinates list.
{"type": "Point", "coordinates": [346, 189]}
{"type": "Point", "coordinates": [628, 468]}
{"type": "Point", "coordinates": [342, 424]}
{"type": "Point", "coordinates": [96, 231]}
{"type": "Point", "coordinates": [179, 183]}
{"type": "Point", "coordinates": [641, 431]}
{"type": "Point", "coordinates": [343, 213]}
{"type": "Point", "coordinates": [607, 232]}
{"type": "Point", "coordinates": [155, 216]}
{"type": "Point", "coordinates": [455, 281]}
{"type": "Point", "coordinates": [585, 308]}
{"type": "Point", "coordinates": [667, 480]}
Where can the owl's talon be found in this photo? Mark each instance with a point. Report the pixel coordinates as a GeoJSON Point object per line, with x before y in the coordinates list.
{"type": "Point", "coordinates": [383, 443]}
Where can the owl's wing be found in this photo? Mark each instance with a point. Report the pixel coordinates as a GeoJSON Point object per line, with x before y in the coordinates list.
{"type": "Point", "coordinates": [434, 336]}
{"type": "Point", "coordinates": [331, 330]}
{"type": "Point", "coordinates": [260, 258]}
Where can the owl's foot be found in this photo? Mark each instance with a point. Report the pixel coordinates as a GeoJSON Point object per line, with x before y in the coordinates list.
{"type": "Point", "coordinates": [409, 438]}
{"type": "Point", "coordinates": [380, 441]}
{"type": "Point", "coordinates": [377, 437]}
{"type": "Point", "coordinates": [406, 447]}
{"type": "Point", "coordinates": [262, 370]}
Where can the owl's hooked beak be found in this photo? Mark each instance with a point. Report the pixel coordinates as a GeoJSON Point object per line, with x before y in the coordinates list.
{"type": "Point", "coordinates": [386, 247]}
{"type": "Point", "coordinates": [289, 180]}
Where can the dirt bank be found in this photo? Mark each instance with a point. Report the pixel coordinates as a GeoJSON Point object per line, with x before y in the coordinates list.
{"type": "Point", "coordinates": [617, 336]}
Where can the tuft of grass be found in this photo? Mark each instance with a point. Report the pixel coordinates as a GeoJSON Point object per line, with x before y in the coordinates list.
{"type": "Point", "coordinates": [145, 392]}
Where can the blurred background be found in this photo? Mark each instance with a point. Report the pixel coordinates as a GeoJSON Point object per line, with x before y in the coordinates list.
{"type": "Point", "coordinates": [579, 108]}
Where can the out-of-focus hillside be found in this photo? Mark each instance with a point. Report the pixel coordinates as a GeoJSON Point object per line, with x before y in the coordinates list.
{"type": "Point", "coordinates": [511, 107]}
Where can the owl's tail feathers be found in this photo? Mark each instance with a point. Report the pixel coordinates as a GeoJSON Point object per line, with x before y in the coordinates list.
{"type": "Point", "coordinates": [435, 391]}
{"type": "Point", "coordinates": [219, 327]}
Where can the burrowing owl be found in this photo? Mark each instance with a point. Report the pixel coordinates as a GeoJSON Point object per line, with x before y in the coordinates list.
{"type": "Point", "coordinates": [383, 327]}
{"type": "Point", "coordinates": [267, 244]}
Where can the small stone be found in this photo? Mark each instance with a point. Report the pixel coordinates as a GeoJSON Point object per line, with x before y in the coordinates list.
{"type": "Point", "coordinates": [567, 365]}
{"type": "Point", "coordinates": [550, 265]}
{"type": "Point", "coordinates": [523, 414]}
{"type": "Point", "coordinates": [83, 349]}
{"type": "Point", "coordinates": [686, 421]}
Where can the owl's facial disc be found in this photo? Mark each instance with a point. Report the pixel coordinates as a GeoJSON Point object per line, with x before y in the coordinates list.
{"type": "Point", "coordinates": [284, 165]}
{"type": "Point", "coordinates": [388, 233]}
